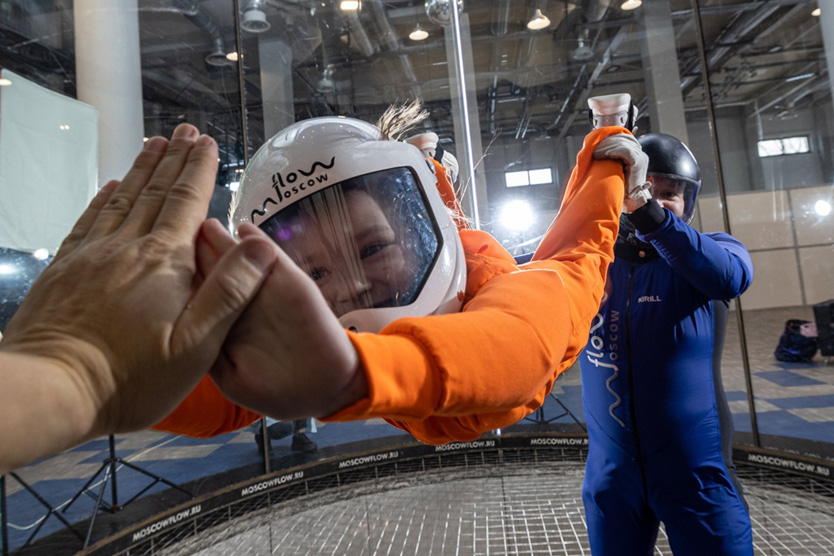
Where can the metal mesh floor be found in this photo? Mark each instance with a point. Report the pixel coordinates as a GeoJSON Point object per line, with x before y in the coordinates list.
{"type": "Point", "coordinates": [501, 511]}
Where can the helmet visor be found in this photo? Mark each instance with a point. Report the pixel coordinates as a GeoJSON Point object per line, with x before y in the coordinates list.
{"type": "Point", "coordinates": [369, 241]}
{"type": "Point", "coordinates": [677, 191]}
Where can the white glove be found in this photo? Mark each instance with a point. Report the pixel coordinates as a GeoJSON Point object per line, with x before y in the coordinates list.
{"type": "Point", "coordinates": [625, 149]}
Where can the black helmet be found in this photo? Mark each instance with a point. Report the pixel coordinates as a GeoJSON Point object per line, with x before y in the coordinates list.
{"type": "Point", "coordinates": [669, 158]}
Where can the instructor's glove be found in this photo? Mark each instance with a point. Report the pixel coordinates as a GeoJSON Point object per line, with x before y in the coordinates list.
{"type": "Point", "coordinates": [625, 149]}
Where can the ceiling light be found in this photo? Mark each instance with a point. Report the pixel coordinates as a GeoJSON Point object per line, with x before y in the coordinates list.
{"type": "Point", "coordinates": [418, 34]}
{"type": "Point", "coordinates": [253, 17]}
{"type": "Point", "coordinates": [218, 57]}
{"type": "Point", "coordinates": [232, 56]}
{"type": "Point", "coordinates": [42, 254]}
{"type": "Point", "coordinates": [816, 12]}
{"type": "Point", "coordinates": [823, 208]}
{"type": "Point", "coordinates": [326, 85]}
{"type": "Point", "coordinates": [539, 21]}
{"type": "Point", "coordinates": [582, 51]}
{"type": "Point", "coordinates": [4, 82]}
{"type": "Point", "coordinates": [630, 5]}
{"type": "Point", "coordinates": [349, 5]}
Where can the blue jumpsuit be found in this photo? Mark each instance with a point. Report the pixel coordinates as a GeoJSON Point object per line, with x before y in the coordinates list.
{"type": "Point", "coordinates": [659, 426]}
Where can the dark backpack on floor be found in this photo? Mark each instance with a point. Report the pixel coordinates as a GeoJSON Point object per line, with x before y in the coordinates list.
{"type": "Point", "coordinates": [793, 346]}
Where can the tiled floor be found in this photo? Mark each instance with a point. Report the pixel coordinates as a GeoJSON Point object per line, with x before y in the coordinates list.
{"type": "Point", "coordinates": [793, 401]}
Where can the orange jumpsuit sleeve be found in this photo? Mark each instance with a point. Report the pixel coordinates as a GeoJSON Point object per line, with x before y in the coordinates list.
{"type": "Point", "coordinates": [452, 377]}
{"type": "Point", "coordinates": [206, 412]}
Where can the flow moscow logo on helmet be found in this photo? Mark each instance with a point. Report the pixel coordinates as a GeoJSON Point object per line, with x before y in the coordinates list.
{"type": "Point", "coordinates": [291, 184]}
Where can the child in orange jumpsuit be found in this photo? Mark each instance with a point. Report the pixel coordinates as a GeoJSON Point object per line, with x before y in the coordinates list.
{"type": "Point", "coordinates": [494, 344]}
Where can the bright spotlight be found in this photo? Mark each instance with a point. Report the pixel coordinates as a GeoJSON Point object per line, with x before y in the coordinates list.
{"type": "Point", "coordinates": [823, 208]}
{"type": "Point", "coordinates": [7, 269]}
{"type": "Point", "coordinates": [516, 215]}
{"type": "Point", "coordinates": [816, 12]}
{"type": "Point", "coordinates": [631, 5]}
{"type": "Point", "coordinates": [41, 254]}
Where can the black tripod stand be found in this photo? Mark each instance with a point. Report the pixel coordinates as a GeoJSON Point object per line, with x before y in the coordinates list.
{"type": "Point", "coordinates": [50, 511]}
{"type": "Point", "coordinates": [109, 468]}
{"type": "Point", "coordinates": [539, 418]}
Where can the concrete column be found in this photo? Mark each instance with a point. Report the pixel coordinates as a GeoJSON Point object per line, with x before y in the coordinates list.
{"type": "Point", "coordinates": [275, 61]}
{"type": "Point", "coordinates": [109, 77]}
{"type": "Point", "coordinates": [467, 124]}
{"type": "Point", "coordinates": [826, 124]}
{"type": "Point", "coordinates": [660, 69]}
{"type": "Point", "coordinates": [827, 29]}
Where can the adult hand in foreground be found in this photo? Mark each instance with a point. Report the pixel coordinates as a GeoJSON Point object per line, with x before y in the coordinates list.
{"type": "Point", "coordinates": [120, 327]}
{"type": "Point", "coordinates": [287, 356]}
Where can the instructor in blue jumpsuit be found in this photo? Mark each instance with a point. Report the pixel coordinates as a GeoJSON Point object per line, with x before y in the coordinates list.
{"type": "Point", "coordinates": [658, 421]}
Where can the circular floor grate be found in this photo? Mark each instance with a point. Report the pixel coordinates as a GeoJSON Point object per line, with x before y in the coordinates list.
{"type": "Point", "coordinates": [507, 510]}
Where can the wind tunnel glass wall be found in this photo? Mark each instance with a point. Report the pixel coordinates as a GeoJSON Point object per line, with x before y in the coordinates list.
{"type": "Point", "coordinates": [746, 86]}
{"type": "Point", "coordinates": [769, 76]}
{"type": "Point", "coordinates": [511, 99]}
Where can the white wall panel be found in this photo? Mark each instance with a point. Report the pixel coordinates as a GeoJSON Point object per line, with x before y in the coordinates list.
{"type": "Point", "coordinates": [48, 164]}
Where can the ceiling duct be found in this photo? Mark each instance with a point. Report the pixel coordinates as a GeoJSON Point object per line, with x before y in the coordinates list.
{"type": "Point", "coordinates": [388, 38]}
{"type": "Point", "coordinates": [501, 20]}
{"type": "Point", "coordinates": [499, 26]}
{"type": "Point", "coordinates": [191, 10]}
{"type": "Point", "coordinates": [358, 36]}
{"type": "Point", "coordinates": [595, 10]}
{"type": "Point", "coordinates": [733, 33]}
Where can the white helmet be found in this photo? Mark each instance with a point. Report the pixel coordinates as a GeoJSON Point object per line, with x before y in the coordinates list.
{"type": "Point", "coordinates": [362, 216]}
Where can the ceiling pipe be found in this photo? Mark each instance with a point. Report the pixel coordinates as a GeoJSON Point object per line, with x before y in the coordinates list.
{"type": "Point", "coordinates": [499, 26]}
{"type": "Point", "coordinates": [501, 20]}
{"type": "Point", "coordinates": [389, 40]}
{"type": "Point", "coordinates": [734, 33]}
{"type": "Point", "coordinates": [358, 35]}
{"type": "Point", "coordinates": [588, 86]}
{"type": "Point", "coordinates": [819, 86]}
{"type": "Point", "coordinates": [523, 77]}
{"type": "Point", "coordinates": [595, 10]}
{"type": "Point", "coordinates": [191, 10]}
{"type": "Point", "coordinates": [792, 96]}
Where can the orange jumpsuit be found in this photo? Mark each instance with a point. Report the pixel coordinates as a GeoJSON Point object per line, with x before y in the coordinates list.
{"type": "Point", "coordinates": [452, 377]}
